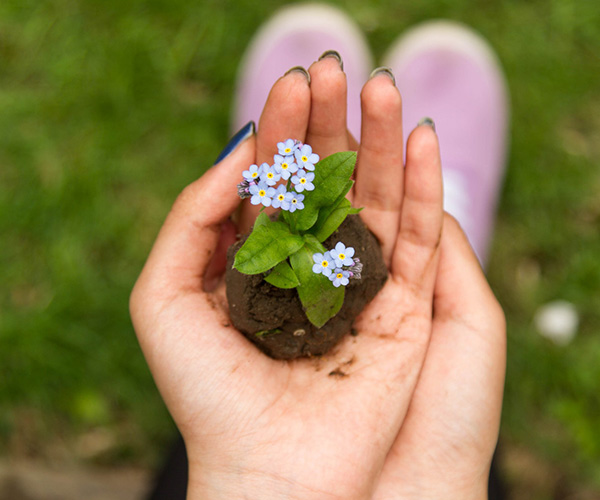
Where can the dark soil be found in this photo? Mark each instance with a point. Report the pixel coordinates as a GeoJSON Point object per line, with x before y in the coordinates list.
{"type": "Point", "coordinates": [256, 306]}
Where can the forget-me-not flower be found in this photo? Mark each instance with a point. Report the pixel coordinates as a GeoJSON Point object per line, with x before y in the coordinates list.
{"type": "Point", "coordinates": [287, 148]}
{"type": "Point", "coordinates": [303, 181]}
{"type": "Point", "coordinates": [339, 277]}
{"type": "Point", "coordinates": [279, 197]}
{"type": "Point", "coordinates": [293, 201]}
{"type": "Point", "coordinates": [323, 263]}
{"type": "Point", "coordinates": [253, 172]}
{"type": "Point", "coordinates": [269, 175]}
{"type": "Point", "coordinates": [285, 166]}
{"type": "Point", "coordinates": [261, 193]}
{"type": "Point", "coordinates": [306, 158]}
{"type": "Point", "coordinates": [342, 255]}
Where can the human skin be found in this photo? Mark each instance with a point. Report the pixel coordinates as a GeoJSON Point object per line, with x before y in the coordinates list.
{"type": "Point", "coordinates": [417, 415]}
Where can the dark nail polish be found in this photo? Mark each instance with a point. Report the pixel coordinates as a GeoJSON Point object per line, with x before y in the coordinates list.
{"type": "Point", "coordinates": [244, 133]}
{"type": "Point", "coordinates": [335, 54]}
{"type": "Point", "coordinates": [383, 70]}
{"type": "Point", "coordinates": [427, 121]}
{"type": "Point", "coordinates": [299, 69]}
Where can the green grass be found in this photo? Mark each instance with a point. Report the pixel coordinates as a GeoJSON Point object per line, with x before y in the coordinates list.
{"type": "Point", "coordinates": [108, 108]}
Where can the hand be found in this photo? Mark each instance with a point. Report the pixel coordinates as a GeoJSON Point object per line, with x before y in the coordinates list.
{"type": "Point", "coordinates": [446, 442]}
{"type": "Point", "coordinates": [268, 428]}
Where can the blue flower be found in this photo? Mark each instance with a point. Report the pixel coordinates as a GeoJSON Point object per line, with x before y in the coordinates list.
{"type": "Point", "coordinates": [261, 193]}
{"type": "Point", "coordinates": [342, 255]}
{"type": "Point", "coordinates": [287, 148]}
{"type": "Point", "coordinates": [269, 175]}
{"type": "Point", "coordinates": [323, 263]}
{"type": "Point", "coordinates": [285, 165]}
{"type": "Point", "coordinates": [293, 202]}
{"type": "Point", "coordinates": [303, 180]}
{"type": "Point", "coordinates": [253, 173]}
{"type": "Point", "coordinates": [279, 197]}
{"type": "Point", "coordinates": [339, 277]}
{"type": "Point", "coordinates": [306, 158]}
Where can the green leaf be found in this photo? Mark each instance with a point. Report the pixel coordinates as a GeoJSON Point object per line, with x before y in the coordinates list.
{"type": "Point", "coordinates": [282, 276]}
{"type": "Point", "coordinates": [269, 243]}
{"type": "Point", "coordinates": [261, 220]}
{"type": "Point", "coordinates": [332, 175]}
{"type": "Point", "coordinates": [321, 300]}
{"type": "Point", "coordinates": [324, 212]}
{"type": "Point", "coordinates": [313, 243]}
{"type": "Point", "coordinates": [333, 221]}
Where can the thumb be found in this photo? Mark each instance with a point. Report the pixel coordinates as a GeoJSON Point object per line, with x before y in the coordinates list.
{"type": "Point", "coordinates": [188, 239]}
{"type": "Point", "coordinates": [462, 292]}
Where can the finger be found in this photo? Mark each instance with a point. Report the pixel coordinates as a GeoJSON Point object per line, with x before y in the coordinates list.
{"type": "Point", "coordinates": [415, 259]}
{"type": "Point", "coordinates": [473, 304]}
{"type": "Point", "coordinates": [352, 142]}
{"type": "Point", "coordinates": [182, 329]}
{"type": "Point", "coordinates": [327, 132]}
{"type": "Point", "coordinates": [352, 146]}
{"type": "Point", "coordinates": [285, 116]}
{"type": "Point", "coordinates": [379, 171]}
{"type": "Point", "coordinates": [188, 239]}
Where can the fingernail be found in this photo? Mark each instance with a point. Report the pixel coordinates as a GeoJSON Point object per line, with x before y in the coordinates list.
{"type": "Point", "coordinates": [299, 69]}
{"type": "Point", "coordinates": [244, 133]}
{"type": "Point", "coordinates": [383, 70]}
{"type": "Point", "coordinates": [427, 121]}
{"type": "Point", "coordinates": [335, 54]}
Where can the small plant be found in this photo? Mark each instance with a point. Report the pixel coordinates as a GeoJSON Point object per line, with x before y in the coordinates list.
{"type": "Point", "coordinates": [289, 251]}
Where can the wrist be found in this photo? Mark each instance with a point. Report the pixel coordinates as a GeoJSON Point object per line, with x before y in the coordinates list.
{"type": "Point", "coordinates": [432, 491]}
{"type": "Point", "coordinates": [235, 483]}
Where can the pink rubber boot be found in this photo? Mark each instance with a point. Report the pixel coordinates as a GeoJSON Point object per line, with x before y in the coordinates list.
{"type": "Point", "coordinates": [297, 36]}
{"type": "Point", "coordinates": [449, 73]}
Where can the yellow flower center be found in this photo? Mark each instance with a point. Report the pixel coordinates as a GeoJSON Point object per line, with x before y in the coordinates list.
{"type": "Point", "coordinates": [303, 180]}
{"type": "Point", "coordinates": [281, 197]}
{"type": "Point", "coordinates": [254, 175]}
{"type": "Point", "coordinates": [339, 275]}
{"type": "Point", "coordinates": [294, 200]}
{"type": "Point", "coordinates": [342, 256]}
{"type": "Point", "coordinates": [270, 175]}
{"type": "Point", "coordinates": [287, 150]}
{"type": "Point", "coordinates": [262, 192]}
{"type": "Point", "coordinates": [284, 166]}
{"type": "Point", "coordinates": [304, 159]}
{"type": "Point", "coordinates": [325, 263]}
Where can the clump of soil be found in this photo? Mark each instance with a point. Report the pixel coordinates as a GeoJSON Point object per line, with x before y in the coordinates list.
{"type": "Point", "coordinates": [256, 306]}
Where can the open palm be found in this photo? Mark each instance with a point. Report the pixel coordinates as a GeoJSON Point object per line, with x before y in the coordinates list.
{"type": "Point", "coordinates": [325, 428]}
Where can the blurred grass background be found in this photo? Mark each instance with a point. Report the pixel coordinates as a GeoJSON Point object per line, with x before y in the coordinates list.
{"type": "Point", "coordinates": [108, 108]}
